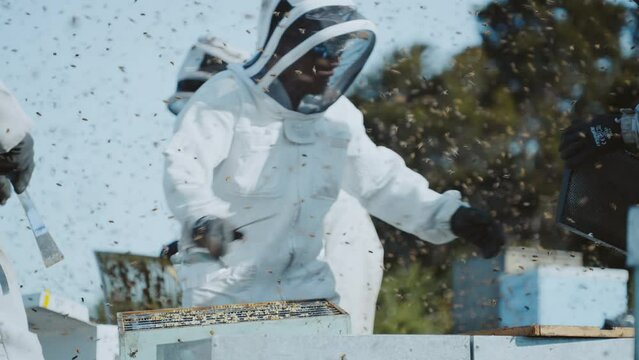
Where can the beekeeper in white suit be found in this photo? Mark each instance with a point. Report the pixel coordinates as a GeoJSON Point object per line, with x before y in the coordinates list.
{"type": "Point", "coordinates": [352, 248]}
{"type": "Point", "coordinates": [16, 167]}
{"type": "Point", "coordinates": [262, 151]}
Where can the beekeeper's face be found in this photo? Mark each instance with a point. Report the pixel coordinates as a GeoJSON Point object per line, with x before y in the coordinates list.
{"type": "Point", "coordinates": [311, 73]}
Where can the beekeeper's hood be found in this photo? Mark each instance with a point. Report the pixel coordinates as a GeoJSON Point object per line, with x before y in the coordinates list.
{"type": "Point", "coordinates": [207, 57]}
{"type": "Point", "coordinates": [309, 51]}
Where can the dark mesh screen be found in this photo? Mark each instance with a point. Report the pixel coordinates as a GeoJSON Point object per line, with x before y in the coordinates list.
{"type": "Point", "coordinates": [595, 198]}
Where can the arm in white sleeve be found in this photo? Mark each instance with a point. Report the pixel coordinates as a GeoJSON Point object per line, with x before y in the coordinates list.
{"type": "Point", "coordinates": [389, 190]}
{"type": "Point", "coordinates": [630, 127]}
{"type": "Point", "coordinates": [201, 142]}
{"type": "Point", "coordinates": [14, 123]}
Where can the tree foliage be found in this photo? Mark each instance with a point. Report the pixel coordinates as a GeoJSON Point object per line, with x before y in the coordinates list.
{"type": "Point", "coordinates": [414, 300]}
{"type": "Point", "coordinates": [489, 126]}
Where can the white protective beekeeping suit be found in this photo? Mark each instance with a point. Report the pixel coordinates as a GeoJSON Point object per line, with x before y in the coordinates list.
{"type": "Point", "coordinates": [352, 248]}
{"type": "Point", "coordinates": [248, 147]}
{"type": "Point", "coordinates": [16, 342]}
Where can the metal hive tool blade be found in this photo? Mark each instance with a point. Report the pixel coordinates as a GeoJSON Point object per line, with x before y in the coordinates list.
{"type": "Point", "coordinates": [51, 255]}
{"type": "Point", "coordinates": [48, 248]}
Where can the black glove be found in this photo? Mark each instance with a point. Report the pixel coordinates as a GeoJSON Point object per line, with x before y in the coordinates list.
{"type": "Point", "coordinates": [479, 228]}
{"type": "Point", "coordinates": [169, 250]}
{"type": "Point", "coordinates": [17, 164]}
{"type": "Point", "coordinates": [583, 142]}
{"type": "Point", "coordinates": [5, 190]}
{"type": "Point", "coordinates": [214, 234]}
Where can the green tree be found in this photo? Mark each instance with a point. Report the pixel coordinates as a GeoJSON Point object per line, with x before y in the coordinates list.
{"type": "Point", "coordinates": [490, 125]}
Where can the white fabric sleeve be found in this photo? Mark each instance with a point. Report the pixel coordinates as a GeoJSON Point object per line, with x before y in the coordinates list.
{"type": "Point", "coordinates": [15, 124]}
{"type": "Point", "coordinates": [389, 190]}
{"type": "Point", "coordinates": [201, 142]}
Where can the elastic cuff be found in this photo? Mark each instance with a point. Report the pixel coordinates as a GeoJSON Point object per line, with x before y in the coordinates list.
{"type": "Point", "coordinates": [445, 207]}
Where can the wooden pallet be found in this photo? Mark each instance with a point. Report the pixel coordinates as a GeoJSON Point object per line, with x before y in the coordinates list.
{"type": "Point", "coordinates": [561, 331]}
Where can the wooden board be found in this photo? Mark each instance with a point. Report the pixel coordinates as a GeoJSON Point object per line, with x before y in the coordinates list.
{"type": "Point", "coordinates": [560, 331]}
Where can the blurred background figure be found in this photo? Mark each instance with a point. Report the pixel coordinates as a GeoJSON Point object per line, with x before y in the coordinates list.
{"type": "Point", "coordinates": [207, 57]}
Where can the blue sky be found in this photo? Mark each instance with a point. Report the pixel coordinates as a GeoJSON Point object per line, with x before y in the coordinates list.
{"type": "Point", "coordinates": [93, 75]}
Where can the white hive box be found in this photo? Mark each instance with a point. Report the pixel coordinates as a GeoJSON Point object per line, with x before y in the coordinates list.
{"type": "Point", "coordinates": [476, 296]}
{"type": "Point", "coordinates": [331, 347]}
{"type": "Point", "coordinates": [64, 329]}
{"type": "Point", "coordinates": [528, 348]}
{"type": "Point", "coordinates": [570, 296]}
{"type": "Point", "coordinates": [53, 305]}
{"type": "Point", "coordinates": [171, 333]}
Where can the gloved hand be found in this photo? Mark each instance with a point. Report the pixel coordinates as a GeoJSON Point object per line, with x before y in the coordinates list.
{"type": "Point", "coordinates": [214, 234]}
{"type": "Point", "coordinates": [581, 142]}
{"type": "Point", "coordinates": [5, 190]}
{"type": "Point", "coordinates": [169, 250]}
{"type": "Point", "coordinates": [479, 228]}
{"type": "Point", "coordinates": [17, 164]}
